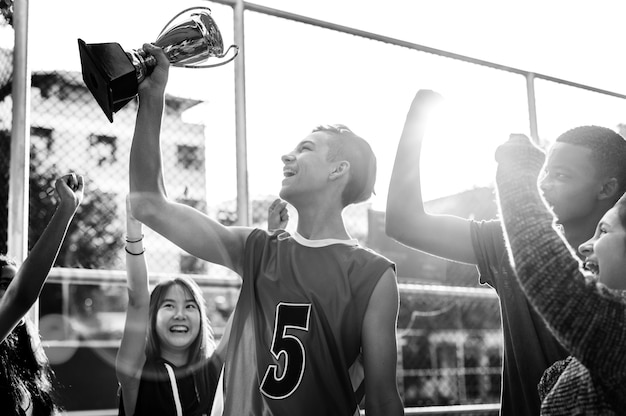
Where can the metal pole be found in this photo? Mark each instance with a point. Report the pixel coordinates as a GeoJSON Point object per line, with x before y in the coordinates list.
{"type": "Point", "coordinates": [20, 142]}
{"type": "Point", "coordinates": [243, 210]}
{"type": "Point", "coordinates": [422, 48]}
{"type": "Point", "coordinates": [532, 107]}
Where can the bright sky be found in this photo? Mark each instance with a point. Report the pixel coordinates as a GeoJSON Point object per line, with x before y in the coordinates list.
{"type": "Point", "coordinates": [299, 77]}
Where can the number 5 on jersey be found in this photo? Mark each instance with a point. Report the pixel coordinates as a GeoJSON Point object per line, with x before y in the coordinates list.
{"type": "Point", "coordinates": [294, 317]}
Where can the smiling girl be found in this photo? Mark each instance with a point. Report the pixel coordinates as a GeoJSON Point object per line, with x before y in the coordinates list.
{"type": "Point", "coordinates": [164, 364]}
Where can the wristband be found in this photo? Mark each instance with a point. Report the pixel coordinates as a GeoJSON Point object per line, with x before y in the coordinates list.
{"type": "Point", "coordinates": [134, 241]}
{"type": "Point", "coordinates": [134, 254]}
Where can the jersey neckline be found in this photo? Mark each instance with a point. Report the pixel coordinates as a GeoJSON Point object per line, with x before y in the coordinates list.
{"type": "Point", "coordinates": [325, 242]}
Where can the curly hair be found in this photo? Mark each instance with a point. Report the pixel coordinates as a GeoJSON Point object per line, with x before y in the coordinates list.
{"type": "Point", "coordinates": [608, 151]}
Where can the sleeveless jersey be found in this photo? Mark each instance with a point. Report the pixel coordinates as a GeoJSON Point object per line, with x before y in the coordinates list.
{"type": "Point", "coordinates": [297, 326]}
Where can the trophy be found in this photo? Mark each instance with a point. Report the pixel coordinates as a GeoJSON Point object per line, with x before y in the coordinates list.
{"type": "Point", "coordinates": [113, 75]}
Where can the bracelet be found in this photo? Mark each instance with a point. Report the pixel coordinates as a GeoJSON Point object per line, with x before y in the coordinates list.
{"type": "Point", "coordinates": [134, 241]}
{"type": "Point", "coordinates": [135, 254]}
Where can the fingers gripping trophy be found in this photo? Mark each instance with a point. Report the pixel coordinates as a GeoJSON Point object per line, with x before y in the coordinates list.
{"type": "Point", "coordinates": [113, 75]}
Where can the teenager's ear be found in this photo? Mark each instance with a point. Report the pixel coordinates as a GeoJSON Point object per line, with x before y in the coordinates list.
{"type": "Point", "coordinates": [340, 169]}
{"type": "Point", "coordinates": [609, 189]}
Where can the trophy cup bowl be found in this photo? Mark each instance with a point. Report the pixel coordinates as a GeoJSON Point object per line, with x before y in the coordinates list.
{"type": "Point", "coordinates": [113, 75]}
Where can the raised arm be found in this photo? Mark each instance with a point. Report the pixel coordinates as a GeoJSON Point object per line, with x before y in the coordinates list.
{"type": "Point", "coordinates": [25, 287]}
{"type": "Point", "coordinates": [588, 319]}
{"type": "Point", "coordinates": [186, 227]}
{"type": "Point", "coordinates": [380, 352]}
{"type": "Point", "coordinates": [131, 355]}
{"type": "Point", "coordinates": [406, 219]}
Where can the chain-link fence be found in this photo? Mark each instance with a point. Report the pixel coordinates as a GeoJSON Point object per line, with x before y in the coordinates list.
{"type": "Point", "coordinates": [450, 341]}
{"type": "Point", "coordinates": [450, 346]}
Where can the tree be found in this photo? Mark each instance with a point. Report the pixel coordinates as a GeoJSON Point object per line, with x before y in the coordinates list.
{"type": "Point", "coordinates": [6, 9]}
{"type": "Point", "coordinates": [93, 240]}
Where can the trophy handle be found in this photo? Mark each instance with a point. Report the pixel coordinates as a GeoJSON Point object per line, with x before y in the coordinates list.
{"type": "Point", "coordinates": [220, 56]}
{"type": "Point", "coordinates": [180, 14]}
{"type": "Point", "coordinates": [152, 61]}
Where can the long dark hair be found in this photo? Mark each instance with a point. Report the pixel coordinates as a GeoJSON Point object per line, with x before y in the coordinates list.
{"type": "Point", "coordinates": [199, 362]}
{"type": "Point", "coordinates": [25, 373]}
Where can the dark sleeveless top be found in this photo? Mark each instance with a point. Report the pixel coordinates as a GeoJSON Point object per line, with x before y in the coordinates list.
{"type": "Point", "coordinates": [196, 389]}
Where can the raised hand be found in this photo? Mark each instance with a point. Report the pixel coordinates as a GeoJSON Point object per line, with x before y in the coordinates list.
{"type": "Point", "coordinates": [424, 102]}
{"type": "Point", "coordinates": [277, 215]}
{"type": "Point", "coordinates": [70, 189]}
{"type": "Point", "coordinates": [520, 152]}
{"type": "Point", "coordinates": [154, 84]}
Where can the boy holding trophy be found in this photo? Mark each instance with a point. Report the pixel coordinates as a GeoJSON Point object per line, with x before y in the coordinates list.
{"type": "Point", "coordinates": [311, 302]}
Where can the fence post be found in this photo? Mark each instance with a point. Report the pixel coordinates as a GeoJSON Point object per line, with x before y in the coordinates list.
{"type": "Point", "coordinates": [243, 209]}
{"type": "Point", "coordinates": [20, 143]}
{"type": "Point", "coordinates": [532, 107]}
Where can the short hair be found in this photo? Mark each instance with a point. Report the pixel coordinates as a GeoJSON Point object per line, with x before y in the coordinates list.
{"type": "Point", "coordinates": [608, 151]}
{"type": "Point", "coordinates": [344, 144]}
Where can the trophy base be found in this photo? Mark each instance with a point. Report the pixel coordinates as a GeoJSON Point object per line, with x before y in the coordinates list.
{"type": "Point", "coordinates": [109, 74]}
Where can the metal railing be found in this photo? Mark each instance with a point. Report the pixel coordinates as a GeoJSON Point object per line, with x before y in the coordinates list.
{"type": "Point", "coordinates": [482, 409]}
{"type": "Point", "coordinates": [456, 296]}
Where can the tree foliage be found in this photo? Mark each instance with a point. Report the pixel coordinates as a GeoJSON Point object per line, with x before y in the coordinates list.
{"type": "Point", "coordinates": [6, 9]}
{"type": "Point", "coordinates": [93, 241]}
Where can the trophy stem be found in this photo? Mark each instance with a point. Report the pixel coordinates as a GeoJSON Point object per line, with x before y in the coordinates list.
{"type": "Point", "coordinates": [143, 63]}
